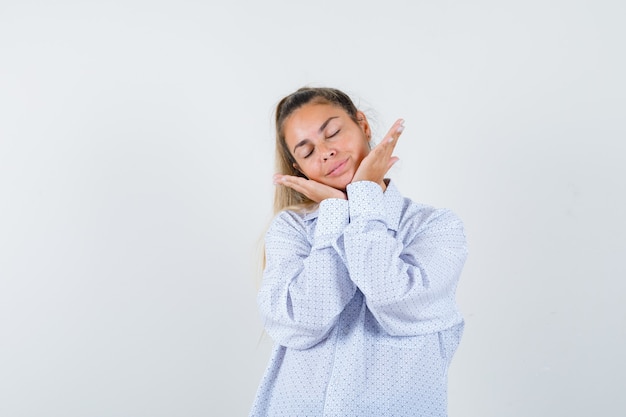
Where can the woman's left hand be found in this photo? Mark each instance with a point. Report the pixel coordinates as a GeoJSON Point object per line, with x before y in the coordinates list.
{"type": "Point", "coordinates": [376, 164]}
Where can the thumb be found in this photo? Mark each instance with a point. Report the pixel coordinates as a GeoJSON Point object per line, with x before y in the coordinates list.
{"type": "Point", "coordinates": [392, 161]}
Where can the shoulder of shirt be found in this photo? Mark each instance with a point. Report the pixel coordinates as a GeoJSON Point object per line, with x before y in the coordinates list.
{"type": "Point", "coordinates": [295, 219]}
{"type": "Point", "coordinates": [421, 213]}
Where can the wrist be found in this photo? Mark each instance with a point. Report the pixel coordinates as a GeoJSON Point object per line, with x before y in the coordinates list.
{"type": "Point", "coordinates": [382, 183]}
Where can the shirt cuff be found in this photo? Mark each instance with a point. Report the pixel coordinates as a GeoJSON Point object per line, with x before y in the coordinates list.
{"type": "Point", "coordinates": [366, 201]}
{"type": "Point", "coordinates": [332, 218]}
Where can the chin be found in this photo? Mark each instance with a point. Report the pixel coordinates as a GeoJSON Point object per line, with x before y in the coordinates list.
{"type": "Point", "coordinates": [339, 183]}
{"type": "Point", "coordinates": [341, 186]}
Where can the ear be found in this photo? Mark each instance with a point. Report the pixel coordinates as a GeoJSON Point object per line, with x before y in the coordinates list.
{"type": "Point", "coordinates": [297, 168]}
{"type": "Point", "coordinates": [364, 125]}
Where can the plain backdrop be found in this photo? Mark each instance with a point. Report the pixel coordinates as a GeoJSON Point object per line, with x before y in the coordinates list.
{"type": "Point", "coordinates": [136, 157]}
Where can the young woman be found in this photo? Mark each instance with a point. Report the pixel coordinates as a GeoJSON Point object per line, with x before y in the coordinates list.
{"type": "Point", "coordinates": [359, 283]}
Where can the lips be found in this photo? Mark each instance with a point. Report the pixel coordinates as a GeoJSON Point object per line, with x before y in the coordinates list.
{"type": "Point", "coordinates": [337, 168]}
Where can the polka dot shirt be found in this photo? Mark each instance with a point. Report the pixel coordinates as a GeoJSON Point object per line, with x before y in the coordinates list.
{"type": "Point", "coordinates": [359, 299]}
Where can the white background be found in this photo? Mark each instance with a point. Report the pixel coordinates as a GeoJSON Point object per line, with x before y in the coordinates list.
{"type": "Point", "coordinates": [136, 155]}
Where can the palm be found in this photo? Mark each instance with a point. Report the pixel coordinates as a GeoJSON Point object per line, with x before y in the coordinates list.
{"type": "Point", "coordinates": [315, 191]}
{"type": "Point", "coordinates": [376, 164]}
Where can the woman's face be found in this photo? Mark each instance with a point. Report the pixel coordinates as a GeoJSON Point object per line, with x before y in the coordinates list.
{"type": "Point", "coordinates": [327, 145]}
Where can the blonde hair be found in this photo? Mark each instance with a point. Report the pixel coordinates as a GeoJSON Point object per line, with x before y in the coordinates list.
{"type": "Point", "coordinates": [285, 197]}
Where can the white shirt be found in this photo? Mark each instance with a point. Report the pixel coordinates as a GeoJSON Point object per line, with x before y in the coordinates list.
{"type": "Point", "coordinates": [359, 298]}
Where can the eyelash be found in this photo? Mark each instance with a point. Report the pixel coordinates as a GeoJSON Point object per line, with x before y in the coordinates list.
{"type": "Point", "coordinates": [330, 136]}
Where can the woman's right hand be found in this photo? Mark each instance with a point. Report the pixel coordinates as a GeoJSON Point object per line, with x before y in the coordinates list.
{"type": "Point", "coordinates": [314, 190]}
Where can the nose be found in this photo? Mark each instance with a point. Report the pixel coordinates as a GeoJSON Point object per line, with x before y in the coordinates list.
{"type": "Point", "coordinates": [328, 153]}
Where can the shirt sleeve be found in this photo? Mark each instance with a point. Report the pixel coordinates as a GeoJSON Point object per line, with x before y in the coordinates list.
{"type": "Point", "coordinates": [305, 283]}
{"type": "Point", "coordinates": [408, 277]}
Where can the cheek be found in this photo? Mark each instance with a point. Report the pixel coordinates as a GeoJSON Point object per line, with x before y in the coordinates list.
{"type": "Point", "coordinates": [308, 170]}
{"type": "Point", "coordinates": [364, 152]}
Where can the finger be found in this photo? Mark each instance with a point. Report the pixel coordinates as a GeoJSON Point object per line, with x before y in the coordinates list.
{"type": "Point", "coordinates": [302, 185]}
{"type": "Point", "coordinates": [390, 140]}
{"type": "Point", "coordinates": [296, 183]}
{"type": "Point", "coordinates": [314, 190]}
{"type": "Point", "coordinates": [281, 178]}
{"type": "Point", "coordinates": [395, 131]}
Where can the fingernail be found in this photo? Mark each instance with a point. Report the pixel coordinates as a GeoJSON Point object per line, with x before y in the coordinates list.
{"type": "Point", "coordinates": [400, 129]}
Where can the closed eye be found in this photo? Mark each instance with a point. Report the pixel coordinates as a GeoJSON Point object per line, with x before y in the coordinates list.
{"type": "Point", "coordinates": [334, 134]}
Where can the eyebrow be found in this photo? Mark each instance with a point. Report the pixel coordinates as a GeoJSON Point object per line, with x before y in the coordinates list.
{"type": "Point", "coordinates": [320, 130]}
